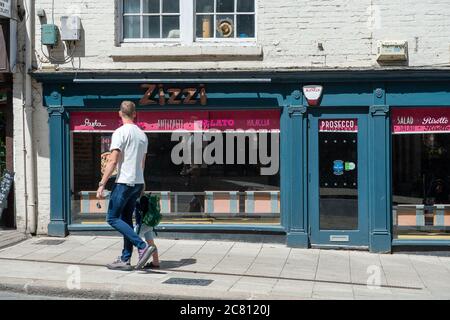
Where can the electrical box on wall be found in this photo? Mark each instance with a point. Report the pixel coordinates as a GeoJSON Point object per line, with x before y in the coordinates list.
{"type": "Point", "coordinates": [70, 28]}
{"type": "Point", "coordinates": [392, 51]}
{"type": "Point", "coordinates": [49, 34]}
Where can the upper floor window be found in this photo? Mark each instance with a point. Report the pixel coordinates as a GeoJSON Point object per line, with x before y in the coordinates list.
{"type": "Point", "coordinates": [225, 18]}
{"type": "Point", "coordinates": [188, 20]}
{"type": "Point", "coordinates": [151, 19]}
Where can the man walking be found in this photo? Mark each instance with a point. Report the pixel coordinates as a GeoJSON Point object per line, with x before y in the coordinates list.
{"type": "Point", "coordinates": [128, 151]}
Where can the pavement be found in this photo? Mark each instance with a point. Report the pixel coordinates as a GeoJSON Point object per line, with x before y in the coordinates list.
{"type": "Point", "coordinates": [73, 267]}
{"type": "Point", "coordinates": [9, 237]}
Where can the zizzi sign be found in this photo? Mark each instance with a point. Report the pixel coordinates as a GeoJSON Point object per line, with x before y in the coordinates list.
{"type": "Point", "coordinates": [158, 94]}
{"type": "Point", "coordinates": [420, 120]}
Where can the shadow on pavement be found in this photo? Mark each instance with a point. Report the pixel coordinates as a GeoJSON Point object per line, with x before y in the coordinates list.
{"type": "Point", "coordinates": [167, 264]}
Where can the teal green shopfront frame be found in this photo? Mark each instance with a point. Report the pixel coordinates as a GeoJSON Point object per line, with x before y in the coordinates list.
{"type": "Point", "coordinates": [375, 92]}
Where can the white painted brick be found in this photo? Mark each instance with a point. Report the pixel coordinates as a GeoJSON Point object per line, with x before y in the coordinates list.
{"type": "Point", "coordinates": [343, 26]}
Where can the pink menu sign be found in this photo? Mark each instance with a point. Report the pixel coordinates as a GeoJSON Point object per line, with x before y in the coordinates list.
{"type": "Point", "coordinates": [420, 120]}
{"type": "Point", "coordinates": [161, 121]}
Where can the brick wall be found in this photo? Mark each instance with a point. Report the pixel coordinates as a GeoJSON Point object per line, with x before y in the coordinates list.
{"type": "Point", "coordinates": [289, 32]}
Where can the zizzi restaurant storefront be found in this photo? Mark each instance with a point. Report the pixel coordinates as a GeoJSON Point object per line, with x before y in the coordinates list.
{"type": "Point", "coordinates": [309, 159]}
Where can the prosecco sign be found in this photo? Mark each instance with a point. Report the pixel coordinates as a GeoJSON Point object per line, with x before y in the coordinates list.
{"type": "Point", "coordinates": [338, 125]}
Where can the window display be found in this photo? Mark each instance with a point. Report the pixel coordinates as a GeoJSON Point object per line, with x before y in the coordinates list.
{"type": "Point", "coordinates": [421, 173]}
{"type": "Point", "coordinates": [206, 166]}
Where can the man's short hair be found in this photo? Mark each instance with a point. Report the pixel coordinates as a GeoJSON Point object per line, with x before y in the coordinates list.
{"type": "Point", "coordinates": [128, 108]}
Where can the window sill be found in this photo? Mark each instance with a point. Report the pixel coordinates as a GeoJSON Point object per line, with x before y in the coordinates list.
{"type": "Point", "coordinates": [176, 52]}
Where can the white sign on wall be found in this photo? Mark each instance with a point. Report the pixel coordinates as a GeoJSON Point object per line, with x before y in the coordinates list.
{"type": "Point", "coordinates": [5, 8]}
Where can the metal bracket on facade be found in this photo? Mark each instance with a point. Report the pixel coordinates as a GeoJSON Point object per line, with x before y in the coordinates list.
{"type": "Point", "coordinates": [297, 110]}
{"type": "Point", "coordinates": [379, 110]}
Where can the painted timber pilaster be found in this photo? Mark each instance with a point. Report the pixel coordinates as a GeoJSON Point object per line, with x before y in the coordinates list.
{"type": "Point", "coordinates": [379, 173]}
{"type": "Point", "coordinates": [59, 160]}
{"type": "Point", "coordinates": [294, 190]}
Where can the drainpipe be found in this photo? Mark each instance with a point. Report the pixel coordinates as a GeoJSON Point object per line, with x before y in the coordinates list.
{"type": "Point", "coordinates": [30, 173]}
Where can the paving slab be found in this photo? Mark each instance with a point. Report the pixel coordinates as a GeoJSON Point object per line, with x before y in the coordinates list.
{"type": "Point", "coordinates": [371, 292]}
{"type": "Point", "coordinates": [301, 263]}
{"type": "Point", "coordinates": [11, 237]}
{"type": "Point", "coordinates": [407, 294]}
{"type": "Point", "coordinates": [295, 289]}
{"type": "Point", "coordinates": [23, 270]}
{"type": "Point", "coordinates": [399, 271]}
{"type": "Point", "coordinates": [183, 249]}
{"type": "Point", "coordinates": [432, 273]}
{"type": "Point", "coordinates": [101, 257]}
{"type": "Point", "coordinates": [102, 243]}
{"type": "Point", "coordinates": [332, 291]}
{"type": "Point", "coordinates": [254, 285]}
{"type": "Point", "coordinates": [334, 266]}
{"type": "Point", "coordinates": [366, 268]}
{"type": "Point", "coordinates": [209, 256]}
{"type": "Point", "coordinates": [270, 261]}
{"type": "Point", "coordinates": [46, 253]}
{"type": "Point", "coordinates": [238, 259]}
{"type": "Point", "coordinates": [19, 251]}
{"type": "Point", "coordinates": [76, 255]}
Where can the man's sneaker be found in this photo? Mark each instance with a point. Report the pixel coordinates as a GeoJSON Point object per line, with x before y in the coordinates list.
{"type": "Point", "coordinates": [120, 265]}
{"type": "Point", "coordinates": [144, 255]}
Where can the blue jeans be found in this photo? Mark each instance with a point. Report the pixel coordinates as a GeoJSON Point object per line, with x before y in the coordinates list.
{"type": "Point", "coordinates": [120, 216]}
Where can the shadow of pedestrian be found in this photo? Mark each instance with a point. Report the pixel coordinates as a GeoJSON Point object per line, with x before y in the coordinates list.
{"type": "Point", "coordinates": [152, 271]}
{"type": "Point", "coordinates": [177, 264]}
{"type": "Point", "coordinates": [168, 265]}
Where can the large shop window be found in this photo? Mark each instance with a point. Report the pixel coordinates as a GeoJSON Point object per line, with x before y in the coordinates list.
{"type": "Point", "coordinates": [206, 166]}
{"type": "Point", "coordinates": [421, 173]}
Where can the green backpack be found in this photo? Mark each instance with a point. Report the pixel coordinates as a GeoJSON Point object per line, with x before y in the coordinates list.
{"type": "Point", "coordinates": [151, 210]}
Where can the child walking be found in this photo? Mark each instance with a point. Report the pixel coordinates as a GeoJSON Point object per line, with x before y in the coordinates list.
{"type": "Point", "coordinates": [147, 233]}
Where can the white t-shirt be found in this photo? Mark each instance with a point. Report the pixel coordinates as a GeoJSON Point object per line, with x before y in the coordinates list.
{"type": "Point", "coordinates": [132, 143]}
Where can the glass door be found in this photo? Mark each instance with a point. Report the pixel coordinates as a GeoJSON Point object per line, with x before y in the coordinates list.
{"type": "Point", "coordinates": [337, 163]}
